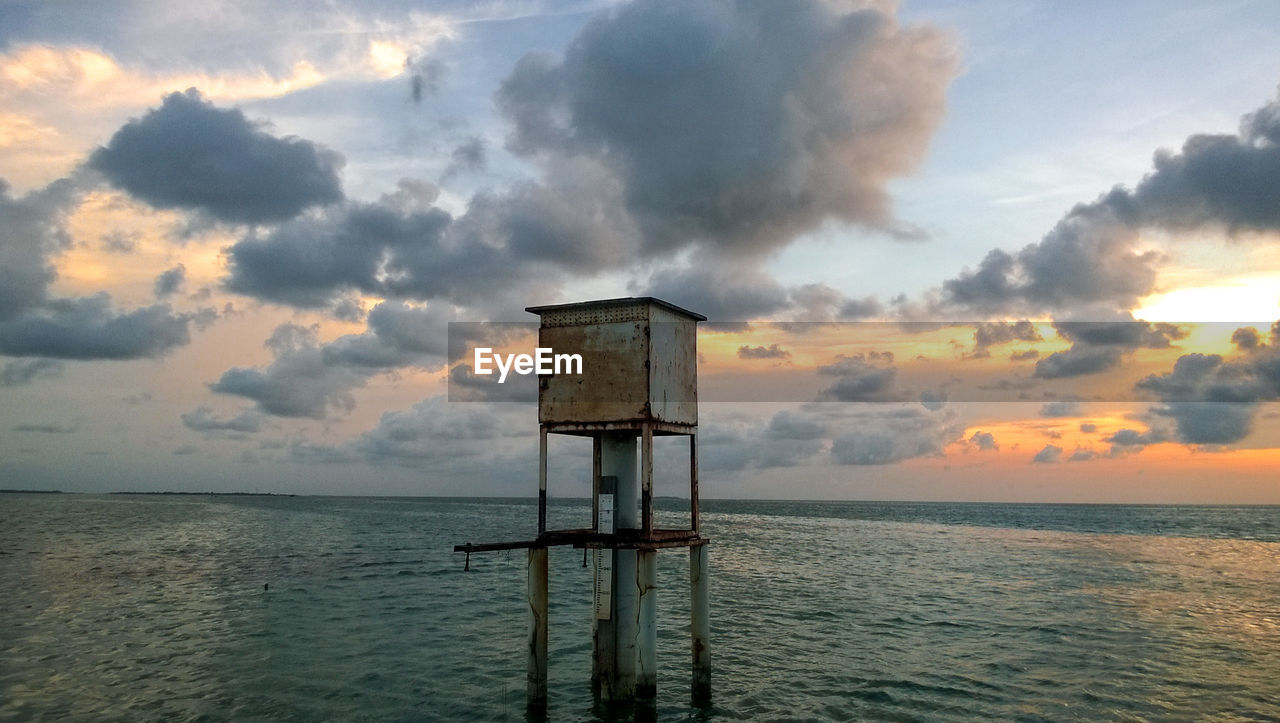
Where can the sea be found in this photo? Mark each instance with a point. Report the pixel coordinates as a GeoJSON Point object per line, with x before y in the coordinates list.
{"type": "Point", "coordinates": [215, 607]}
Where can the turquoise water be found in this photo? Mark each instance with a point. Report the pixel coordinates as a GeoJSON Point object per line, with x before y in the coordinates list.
{"type": "Point", "coordinates": [145, 607]}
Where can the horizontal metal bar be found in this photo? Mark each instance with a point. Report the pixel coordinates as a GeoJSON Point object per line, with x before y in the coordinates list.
{"type": "Point", "coordinates": [622, 539]}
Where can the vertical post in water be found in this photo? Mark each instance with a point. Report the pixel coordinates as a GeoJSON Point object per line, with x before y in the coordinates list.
{"type": "Point", "coordinates": [700, 624]}
{"type": "Point", "coordinates": [542, 480]}
{"type": "Point", "coordinates": [618, 459]}
{"type": "Point", "coordinates": [694, 512]}
{"type": "Point", "coordinates": [647, 634]}
{"type": "Point", "coordinates": [537, 675]}
{"type": "Point", "coordinates": [603, 669]}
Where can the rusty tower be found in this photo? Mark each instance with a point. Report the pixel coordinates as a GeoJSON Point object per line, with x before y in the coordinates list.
{"type": "Point", "coordinates": [639, 380]}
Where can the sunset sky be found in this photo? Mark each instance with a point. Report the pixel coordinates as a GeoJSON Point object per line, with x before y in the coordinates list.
{"type": "Point", "coordinates": [1033, 245]}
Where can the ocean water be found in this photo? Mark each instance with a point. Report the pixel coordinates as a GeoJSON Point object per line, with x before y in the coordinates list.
{"type": "Point", "coordinates": [302, 608]}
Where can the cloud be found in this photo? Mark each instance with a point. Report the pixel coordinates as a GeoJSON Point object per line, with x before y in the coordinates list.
{"type": "Point", "coordinates": [1131, 441]}
{"type": "Point", "coordinates": [202, 419]}
{"type": "Point", "coordinates": [1078, 361]}
{"type": "Point", "coordinates": [773, 351]}
{"type": "Point", "coordinates": [1213, 400]}
{"type": "Point", "coordinates": [1092, 258]}
{"type": "Point", "coordinates": [988, 334]}
{"type": "Point", "coordinates": [515, 244]}
{"type": "Point", "coordinates": [435, 432]}
{"type": "Point", "coordinates": [788, 119]}
{"type": "Point", "coordinates": [468, 157]}
{"type": "Point", "coordinates": [189, 155]}
{"type": "Point", "coordinates": [398, 335]}
{"type": "Point", "coordinates": [1210, 422]}
{"type": "Point", "coordinates": [1050, 454]}
{"type": "Point", "coordinates": [1101, 346]}
{"type": "Point", "coordinates": [32, 232]}
{"type": "Point", "coordinates": [167, 283]}
{"type": "Point", "coordinates": [89, 328]}
{"type": "Point", "coordinates": [737, 126]}
{"type": "Point", "coordinates": [24, 371]}
{"type": "Point", "coordinates": [1246, 338]}
{"type": "Point", "coordinates": [861, 378]}
{"type": "Point", "coordinates": [309, 379]}
{"type": "Point", "coordinates": [984, 441]}
{"type": "Point", "coordinates": [890, 437]}
{"type": "Point", "coordinates": [824, 434]}
{"type": "Point", "coordinates": [298, 383]}
{"type": "Point", "coordinates": [46, 428]}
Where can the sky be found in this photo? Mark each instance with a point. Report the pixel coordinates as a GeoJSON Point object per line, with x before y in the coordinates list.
{"type": "Point", "coordinates": [999, 251]}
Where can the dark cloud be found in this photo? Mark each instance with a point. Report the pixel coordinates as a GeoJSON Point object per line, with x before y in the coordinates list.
{"type": "Point", "coordinates": [469, 156]}
{"type": "Point", "coordinates": [721, 293]}
{"type": "Point", "coordinates": [1091, 258]}
{"type": "Point", "coordinates": [1088, 427]}
{"type": "Point", "coordinates": [1213, 400]}
{"type": "Point", "coordinates": [890, 437]}
{"type": "Point", "coordinates": [46, 428]}
{"type": "Point", "coordinates": [515, 244]}
{"type": "Point", "coordinates": [1082, 455]}
{"type": "Point", "coordinates": [365, 248]}
{"type": "Point", "coordinates": [933, 400]}
{"type": "Point", "coordinates": [425, 77]}
{"type": "Point", "coordinates": [32, 232]}
{"type": "Point", "coordinates": [796, 425]}
{"type": "Point", "coordinates": [984, 441]}
{"type": "Point", "coordinates": [190, 155]}
{"type": "Point", "coordinates": [202, 419]}
{"type": "Point", "coordinates": [1024, 355]}
{"type": "Point", "coordinates": [1246, 338]}
{"type": "Point", "coordinates": [89, 328]}
{"type": "Point", "coordinates": [1134, 438]}
{"type": "Point", "coordinates": [773, 351]}
{"type": "Point", "coordinates": [1126, 334]}
{"type": "Point", "coordinates": [310, 379]}
{"type": "Point", "coordinates": [1210, 423]}
{"type": "Point", "coordinates": [819, 302]}
{"type": "Point", "coordinates": [434, 430]}
{"type": "Point", "coordinates": [348, 310]}
{"type": "Point", "coordinates": [861, 378]}
{"type": "Point", "coordinates": [24, 371]}
{"type": "Point", "coordinates": [467, 386]}
{"type": "Point", "coordinates": [824, 434]}
{"type": "Point", "coordinates": [298, 383]}
{"type": "Point", "coordinates": [168, 282]}
{"type": "Point", "coordinates": [1001, 332]}
{"type": "Point", "coordinates": [643, 143]}
{"type": "Point", "coordinates": [1065, 408]}
{"type": "Point", "coordinates": [1078, 361]}
{"type": "Point", "coordinates": [737, 125]}
{"type": "Point", "coordinates": [399, 335]}
{"type": "Point", "coordinates": [1100, 346]}
{"type": "Point", "coordinates": [1050, 454]}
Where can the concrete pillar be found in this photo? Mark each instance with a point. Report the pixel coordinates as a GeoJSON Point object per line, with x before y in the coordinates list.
{"type": "Point", "coordinates": [615, 659]}
{"type": "Point", "coordinates": [647, 627]}
{"type": "Point", "coordinates": [537, 675]}
{"type": "Point", "coordinates": [700, 623]}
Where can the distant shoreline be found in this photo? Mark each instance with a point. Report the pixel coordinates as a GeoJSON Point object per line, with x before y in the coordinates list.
{"type": "Point", "coordinates": [211, 494]}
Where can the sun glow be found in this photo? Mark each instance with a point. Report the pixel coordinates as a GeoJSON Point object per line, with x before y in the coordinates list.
{"type": "Point", "coordinates": [1254, 298]}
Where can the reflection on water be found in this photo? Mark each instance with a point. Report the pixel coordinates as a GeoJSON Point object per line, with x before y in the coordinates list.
{"type": "Point", "coordinates": [151, 607]}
